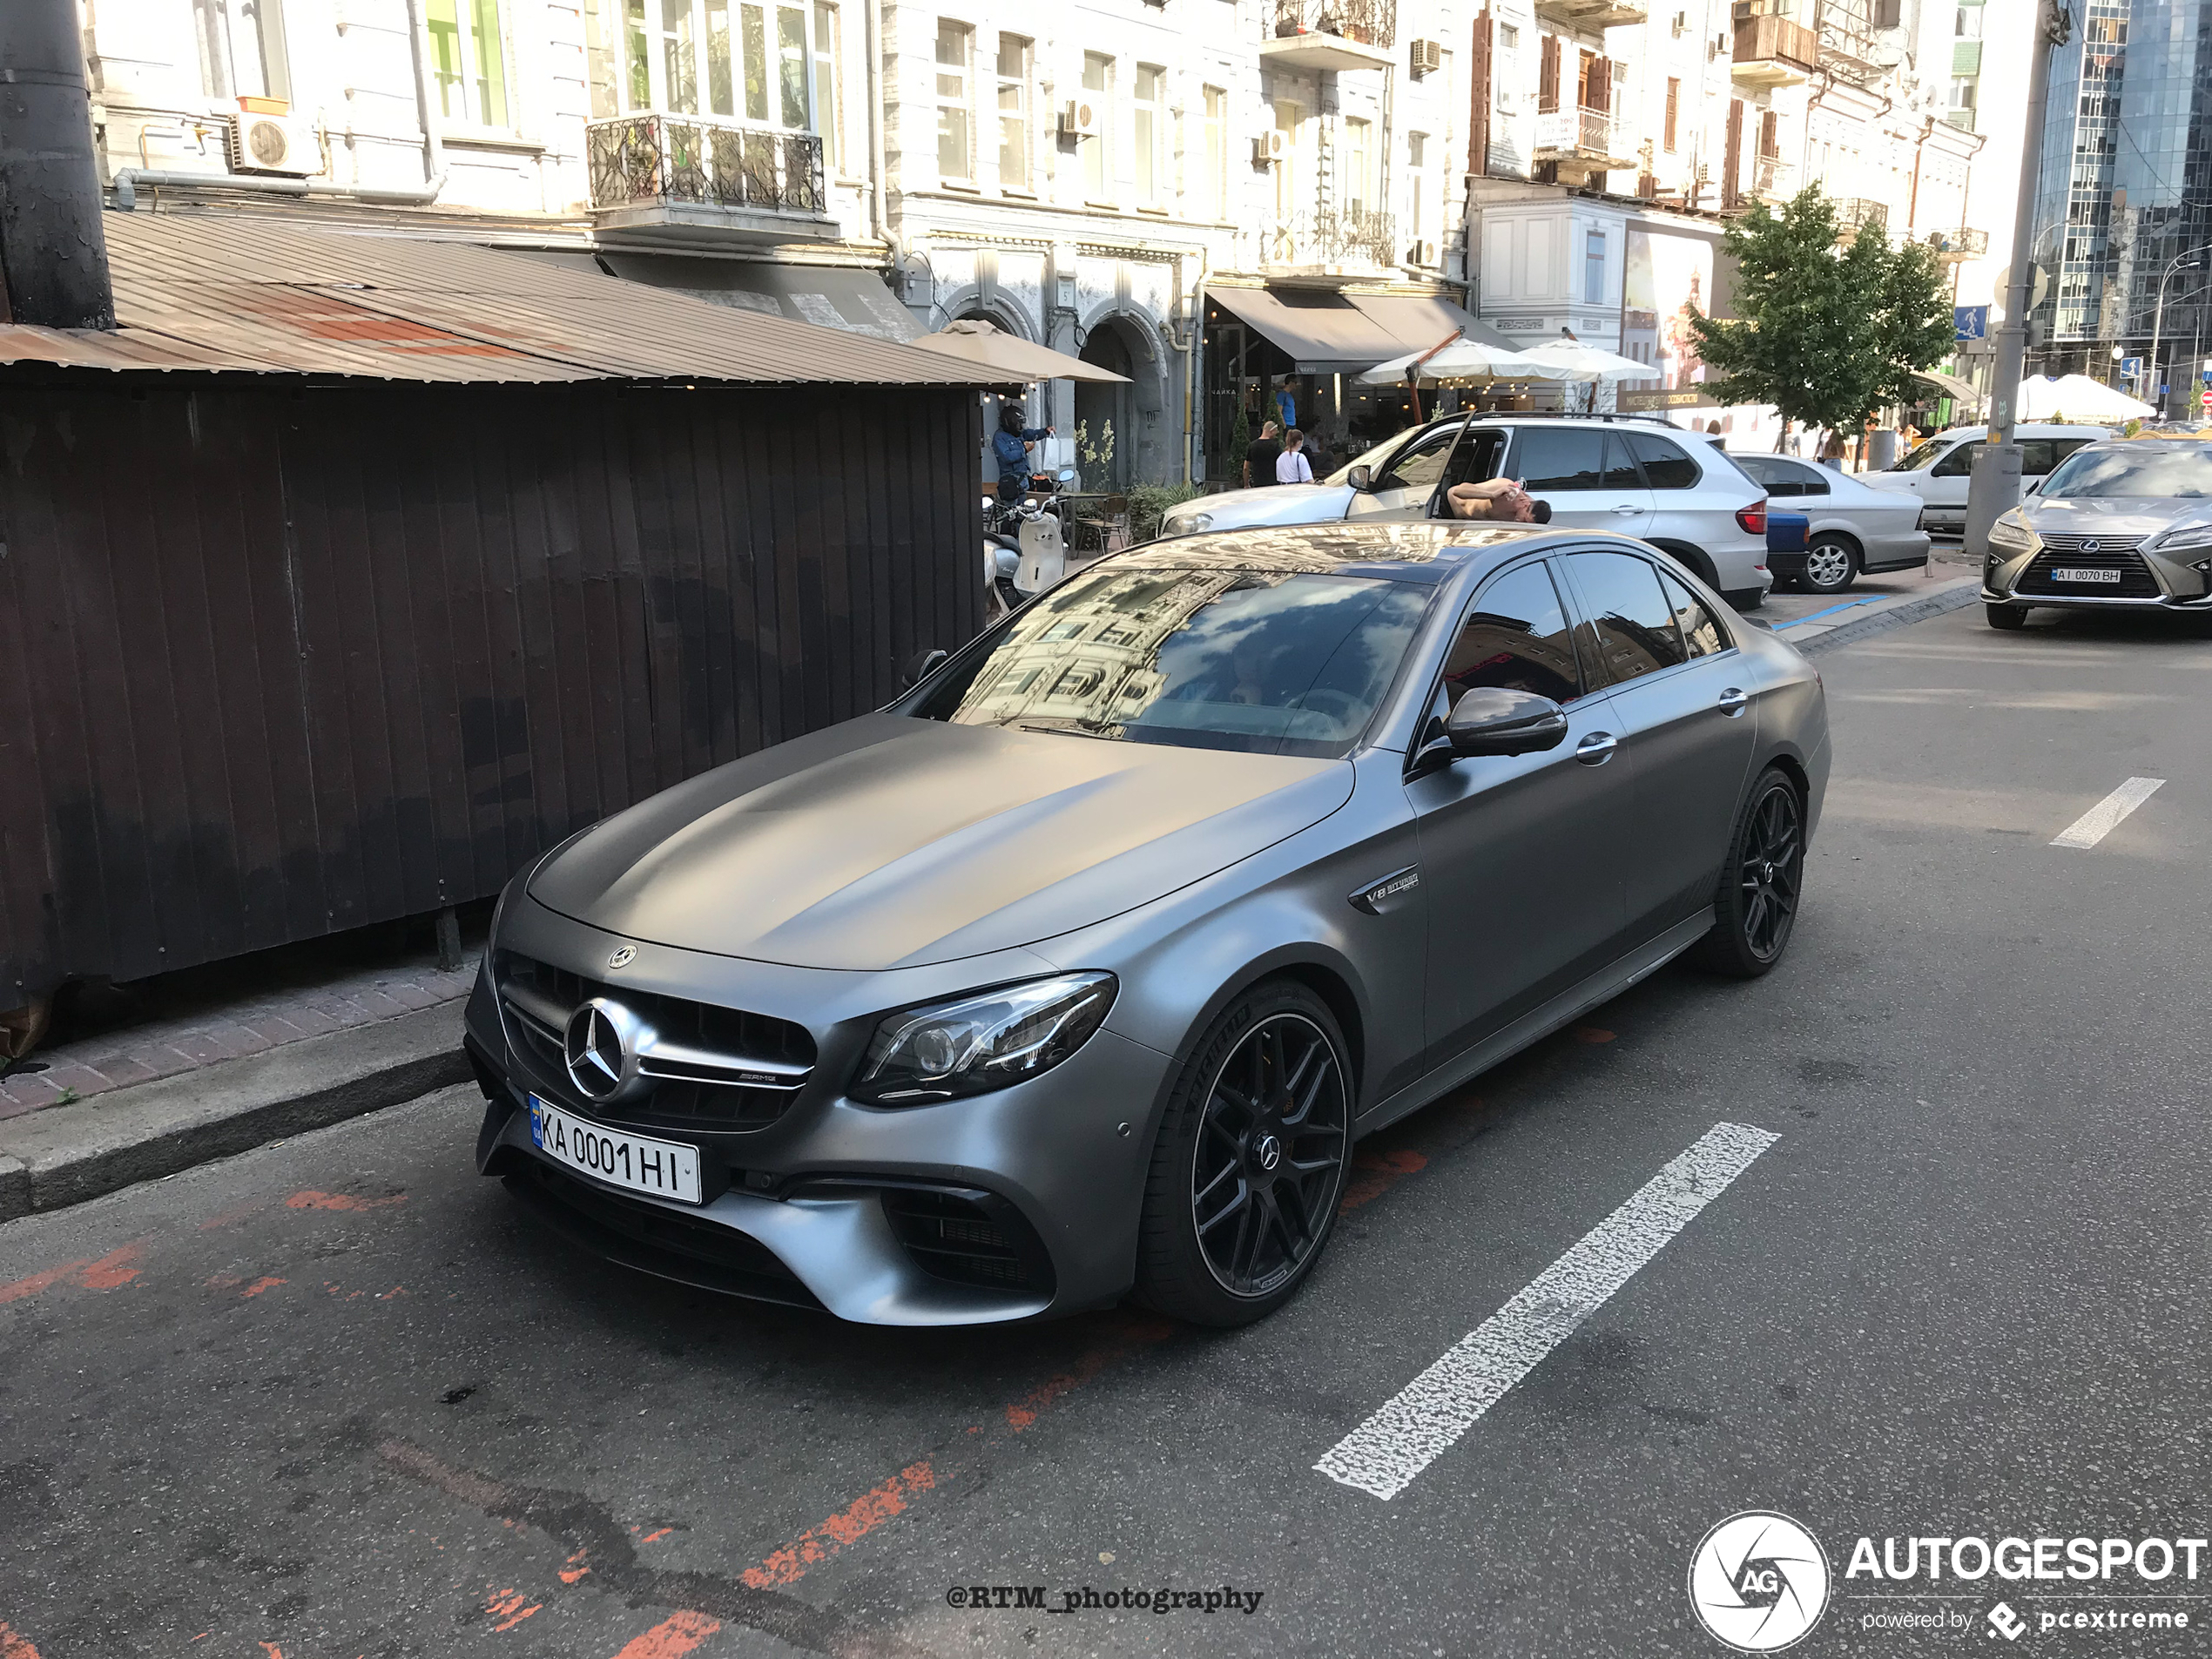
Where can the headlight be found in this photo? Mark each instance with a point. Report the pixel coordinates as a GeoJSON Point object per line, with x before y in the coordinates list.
{"type": "Point", "coordinates": [989, 1041]}
{"type": "Point", "coordinates": [2183, 540]}
{"type": "Point", "coordinates": [1189, 523]}
{"type": "Point", "coordinates": [2012, 535]}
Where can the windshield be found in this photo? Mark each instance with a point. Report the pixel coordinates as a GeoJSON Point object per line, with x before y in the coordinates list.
{"type": "Point", "coordinates": [1265, 662]}
{"type": "Point", "coordinates": [1924, 456]}
{"type": "Point", "coordinates": [1373, 457]}
{"type": "Point", "coordinates": [2186, 472]}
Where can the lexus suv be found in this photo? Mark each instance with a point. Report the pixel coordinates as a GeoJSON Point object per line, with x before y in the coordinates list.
{"type": "Point", "coordinates": [2123, 525]}
{"type": "Point", "coordinates": [1639, 478]}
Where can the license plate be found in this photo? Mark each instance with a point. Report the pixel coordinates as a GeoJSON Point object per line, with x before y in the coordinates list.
{"type": "Point", "coordinates": [2075, 573]}
{"type": "Point", "coordinates": [664, 1169]}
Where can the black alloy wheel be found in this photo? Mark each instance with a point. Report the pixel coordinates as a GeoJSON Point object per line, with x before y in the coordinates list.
{"type": "Point", "coordinates": [1761, 882]}
{"type": "Point", "coordinates": [1250, 1161]}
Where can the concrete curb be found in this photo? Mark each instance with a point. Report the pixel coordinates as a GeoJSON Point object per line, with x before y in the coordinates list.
{"type": "Point", "coordinates": [64, 1155]}
{"type": "Point", "coordinates": [1903, 613]}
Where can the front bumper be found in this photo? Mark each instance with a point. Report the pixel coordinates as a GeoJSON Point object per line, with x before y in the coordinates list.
{"type": "Point", "coordinates": [2180, 582]}
{"type": "Point", "coordinates": [826, 1206]}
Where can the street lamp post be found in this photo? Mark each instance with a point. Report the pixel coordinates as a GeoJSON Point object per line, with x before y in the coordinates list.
{"type": "Point", "coordinates": [2158, 322]}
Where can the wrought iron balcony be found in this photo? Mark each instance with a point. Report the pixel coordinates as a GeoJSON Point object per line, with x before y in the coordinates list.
{"type": "Point", "coordinates": [1597, 139]}
{"type": "Point", "coordinates": [1592, 14]}
{"type": "Point", "coordinates": [1774, 52]}
{"type": "Point", "coordinates": [1335, 238]}
{"type": "Point", "coordinates": [1855, 214]}
{"type": "Point", "coordinates": [1329, 34]}
{"type": "Point", "coordinates": [1955, 246]}
{"type": "Point", "coordinates": [649, 161]}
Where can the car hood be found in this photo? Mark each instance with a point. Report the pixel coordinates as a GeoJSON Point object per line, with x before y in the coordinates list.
{"type": "Point", "coordinates": [1907, 484]}
{"type": "Point", "coordinates": [893, 842]}
{"type": "Point", "coordinates": [1237, 510]}
{"type": "Point", "coordinates": [2124, 517]}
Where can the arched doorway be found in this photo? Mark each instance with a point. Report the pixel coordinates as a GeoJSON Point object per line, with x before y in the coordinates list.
{"type": "Point", "coordinates": [1106, 413]}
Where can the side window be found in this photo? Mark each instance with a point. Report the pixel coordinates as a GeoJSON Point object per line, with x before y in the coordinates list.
{"type": "Point", "coordinates": [1518, 637]}
{"type": "Point", "coordinates": [1420, 463]}
{"type": "Point", "coordinates": [1960, 462]}
{"type": "Point", "coordinates": [2061, 447]}
{"type": "Point", "coordinates": [1619, 466]}
{"type": "Point", "coordinates": [1665, 467]}
{"type": "Point", "coordinates": [1478, 458]}
{"type": "Point", "coordinates": [2038, 455]}
{"type": "Point", "coordinates": [1630, 629]}
{"type": "Point", "coordinates": [1794, 478]}
{"type": "Point", "coordinates": [1556, 458]}
{"type": "Point", "coordinates": [1701, 630]}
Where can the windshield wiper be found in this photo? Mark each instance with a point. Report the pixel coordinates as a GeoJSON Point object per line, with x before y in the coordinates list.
{"type": "Point", "coordinates": [1067, 731]}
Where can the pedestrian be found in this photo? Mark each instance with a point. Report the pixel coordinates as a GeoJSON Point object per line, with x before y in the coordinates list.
{"type": "Point", "coordinates": [1317, 453]}
{"type": "Point", "coordinates": [1291, 466]}
{"type": "Point", "coordinates": [1260, 459]}
{"type": "Point", "coordinates": [1831, 453]}
{"type": "Point", "coordinates": [1010, 448]}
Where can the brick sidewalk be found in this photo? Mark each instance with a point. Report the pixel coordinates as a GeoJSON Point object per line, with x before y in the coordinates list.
{"type": "Point", "coordinates": [163, 1048]}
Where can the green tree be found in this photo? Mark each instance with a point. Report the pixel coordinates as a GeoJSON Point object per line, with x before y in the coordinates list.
{"type": "Point", "coordinates": [1827, 335]}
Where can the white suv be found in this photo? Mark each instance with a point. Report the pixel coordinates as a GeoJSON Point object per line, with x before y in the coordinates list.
{"type": "Point", "coordinates": [1939, 470]}
{"type": "Point", "coordinates": [1638, 477]}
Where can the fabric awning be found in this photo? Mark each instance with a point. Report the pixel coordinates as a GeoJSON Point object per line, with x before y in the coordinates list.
{"type": "Point", "coordinates": [1949, 385]}
{"type": "Point", "coordinates": [1327, 333]}
{"type": "Point", "coordinates": [830, 296]}
{"type": "Point", "coordinates": [1024, 360]}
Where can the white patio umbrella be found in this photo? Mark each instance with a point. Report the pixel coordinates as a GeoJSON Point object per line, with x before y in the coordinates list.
{"type": "Point", "coordinates": [1570, 360]}
{"type": "Point", "coordinates": [1463, 359]}
{"type": "Point", "coordinates": [2077, 398]}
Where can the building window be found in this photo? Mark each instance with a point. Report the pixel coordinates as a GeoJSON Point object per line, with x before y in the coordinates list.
{"type": "Point", "coordinates": [791, 63]}
{"type": "Point", "coordinates": [1968, 26]}
{"type": "Point", "coordinates": [829, 103]}
{"type": "Point", "coordinates": [1358, 161]}
{"type": "Point", "coordinates": [1013, 113]}
{"type": "Point", "coordinates": [717, 57]}
{"type": "Point", "coordinates": [1289, 117]}
{"type": "Point", "coordinates": [1508, 37]}
{"type": "Point", "coordinates": [1417, 191]}
{"type": "Point", "coordinates": [752, 23]}
{"type": "Point", "coordinates": [1214, 149]}
{"type": "Point", "coordinates": [1149, 127]}
{"type": "Point", "coordinates": [469, 53]}
{"type": "Point", "coordinates": [1098, 172]}
{"type": "Point", "coordinates": [955, 151]}
{"type": "Point", "coordinates": [1594, 269]}
{"type": "Point", "coordinates": [1674, 111]}
{"type": "Point", "coordinates": [241, 48]}
{"type": "Point", "coordinates": [1770, 135]}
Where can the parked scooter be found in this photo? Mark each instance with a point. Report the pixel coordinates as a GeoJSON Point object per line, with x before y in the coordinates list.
{"type": "Point", "coordinates": [1025, 541]}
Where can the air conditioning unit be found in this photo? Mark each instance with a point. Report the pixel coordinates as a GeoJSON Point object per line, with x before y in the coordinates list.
{"type": "Point", "coordinates": [279, 144]}
{"type": "Point", "coordinates": [1079, 119]}
{"type": "Point", "coordinates": [1421, 254]}
{"type": "Point", "coordinates": [1271, 145]}
{"type": "Point", "coordinates": [1428, 57]}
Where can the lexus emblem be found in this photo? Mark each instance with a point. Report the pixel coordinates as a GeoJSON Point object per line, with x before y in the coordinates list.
{"type": "Point", "coordinates": [623, 955]}
{"type": "Point", "coordinates": [601, 1049]}
{"type": "Point", "coordinates": [2093, 545]}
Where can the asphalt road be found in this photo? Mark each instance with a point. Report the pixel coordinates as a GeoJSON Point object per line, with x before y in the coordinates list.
{"type": "Point", "coordinates": [334, 1397]}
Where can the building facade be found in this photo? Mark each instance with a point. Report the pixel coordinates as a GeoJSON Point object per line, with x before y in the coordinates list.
{"type": "Point", "coordinates": [2123, 216]}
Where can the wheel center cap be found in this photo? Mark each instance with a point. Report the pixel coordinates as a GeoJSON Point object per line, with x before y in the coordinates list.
{"type": "Point", "coordinates": [1267, 1153]}
{"type": "Point", "coordinates": [1768, 874]}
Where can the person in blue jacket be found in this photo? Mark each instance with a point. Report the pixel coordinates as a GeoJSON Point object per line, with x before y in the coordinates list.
{"type": "Point", "coordinates": [1010, 443]}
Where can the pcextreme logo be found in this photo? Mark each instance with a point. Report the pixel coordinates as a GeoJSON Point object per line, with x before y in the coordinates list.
{"type": "Point", "coordinates": [1758, 1581]}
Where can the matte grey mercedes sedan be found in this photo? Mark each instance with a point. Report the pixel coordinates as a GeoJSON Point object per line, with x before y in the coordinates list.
{"type": "Point", "coordinates": [1076, 971]}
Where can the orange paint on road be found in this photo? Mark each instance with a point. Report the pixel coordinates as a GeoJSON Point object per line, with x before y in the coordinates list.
{"type": "Point", "coordinates": [572, 1571]}
{"type": "Point", "coordinates": [671, 1638]}
{"type": "Point", "coordinates": [856, 1520]}
{"type": "Point", "coordinates": [655, 1537]}
{"type": "Point", "coordinates": [1592, 1033]}
{"type": "Point", "coordinates": [14, 1644]}
{"type": "Point", "coordinates": [507, 1606]}
{"type": "Point", "coordinates": [94, 1273]}
{"type": "Point", "coordinates": [1136, 1331]}
{"type": "Point", "coordinates": [1377, 1173]}
{"type": "Point", "coordinates": [261, 1284]}
{"type": "Point", "coordinates": [313, 1200]}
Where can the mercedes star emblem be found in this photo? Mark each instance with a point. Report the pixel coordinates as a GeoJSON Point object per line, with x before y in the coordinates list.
{"type": "Point", "coordinates": [601, 1048]}
{"type": "Point", "coordinates": [623, 955]}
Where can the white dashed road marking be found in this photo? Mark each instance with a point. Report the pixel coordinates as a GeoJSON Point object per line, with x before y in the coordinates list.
{"type": "Point", "coordinates": [2104, 818]}
{"type": "Point", "coordinates": [1386, 1453]}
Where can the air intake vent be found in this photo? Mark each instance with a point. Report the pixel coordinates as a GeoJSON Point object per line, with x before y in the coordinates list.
{"type": "Point", "coordinates": [969, 1238]}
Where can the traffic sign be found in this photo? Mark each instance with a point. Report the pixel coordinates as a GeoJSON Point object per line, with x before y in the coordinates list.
{"type": "Point", "coordinates": [2208, 402]}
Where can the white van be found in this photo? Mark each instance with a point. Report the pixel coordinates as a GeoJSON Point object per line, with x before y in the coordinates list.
{"type": "Point", "coordinates": [1938, 470]}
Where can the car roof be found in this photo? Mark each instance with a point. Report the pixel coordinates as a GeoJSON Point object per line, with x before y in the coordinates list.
{"type": "Point", "coordinates": [2027, 429]}
{"type": "Point", "coordinates": [1422, 550]}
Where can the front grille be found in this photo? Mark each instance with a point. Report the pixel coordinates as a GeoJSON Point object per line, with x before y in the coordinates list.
{"type": "Point", "coordinates": [2135, 580]}
{"type": "Point", "coordinates": [536, 999]}
{"type": "Point", "coordinates": [967, 1240]}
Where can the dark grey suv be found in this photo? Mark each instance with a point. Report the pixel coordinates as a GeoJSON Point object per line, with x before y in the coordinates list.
{"type": "Point", "coordinates": [1078, 970]}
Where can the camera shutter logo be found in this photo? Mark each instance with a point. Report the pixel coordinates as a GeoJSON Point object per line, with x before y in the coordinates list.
{"type": "Point", "coordinates": [1758, 1581]}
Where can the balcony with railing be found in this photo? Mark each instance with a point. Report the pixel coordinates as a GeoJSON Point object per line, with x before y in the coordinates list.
{"type": "Point", "coordinates": [1591, 140]}
{"type": "Point", "coordinates": [1856, 215]}
{"type": "Point", "coordinates": [1591, 14]}
{"type": "Point", "coordinates": [1955, 246]}
{"type": "Point", "coordinates": [1329, 34]}
{"type": "Point", "coordinates": [687, 173]}
{"type": "Point", "coordinates": [1773, 51]}
{"type": "Point", "coordinates": [1332, 241]}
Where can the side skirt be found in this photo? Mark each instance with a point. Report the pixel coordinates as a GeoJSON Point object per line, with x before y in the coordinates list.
{"type": "Point", "coordinates": [1540, 1022]}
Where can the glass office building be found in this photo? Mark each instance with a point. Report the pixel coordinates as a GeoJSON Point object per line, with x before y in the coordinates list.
{"type": "Point", "coordinates": [2125, 192]}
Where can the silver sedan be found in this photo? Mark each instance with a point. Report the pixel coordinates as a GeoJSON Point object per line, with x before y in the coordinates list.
{"type": "Point", "coordinates": [2121, 525]}
{"type": "Point", "coordinates": [1854, 530]}
{"type": "Point", "coordinates": [1078, 970]}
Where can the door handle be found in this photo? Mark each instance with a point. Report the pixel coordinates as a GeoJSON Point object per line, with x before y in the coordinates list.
{"type": "Point", "coordinates": [1734, 701]}
{"type": "Point", "coordinates": [1596, 749]}
{"type": "Point", "coordinates": [1628, 509]}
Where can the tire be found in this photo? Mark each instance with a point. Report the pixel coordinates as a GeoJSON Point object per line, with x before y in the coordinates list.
{"type": "Point", "coordinates": [1832, 565]}
{"type": "Point", "coordinates": [1745, 598]}
{"type": "Point", "coordinates": [2005, 617]}
{"type": "Point", "coordinates": [1232, 1224]}
{"type": "Point", "coordinates": [1755, 910]}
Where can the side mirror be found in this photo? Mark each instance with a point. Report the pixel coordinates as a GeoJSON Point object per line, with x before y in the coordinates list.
{"type": "Point", "coordinates": [1067, 475]}
{"type": "Point", "coordinates": [1491, 720]}
{"type": "Point", "coordinates": [926, 665]}
{"type": "Point", "coordinates": [1361, 478]}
